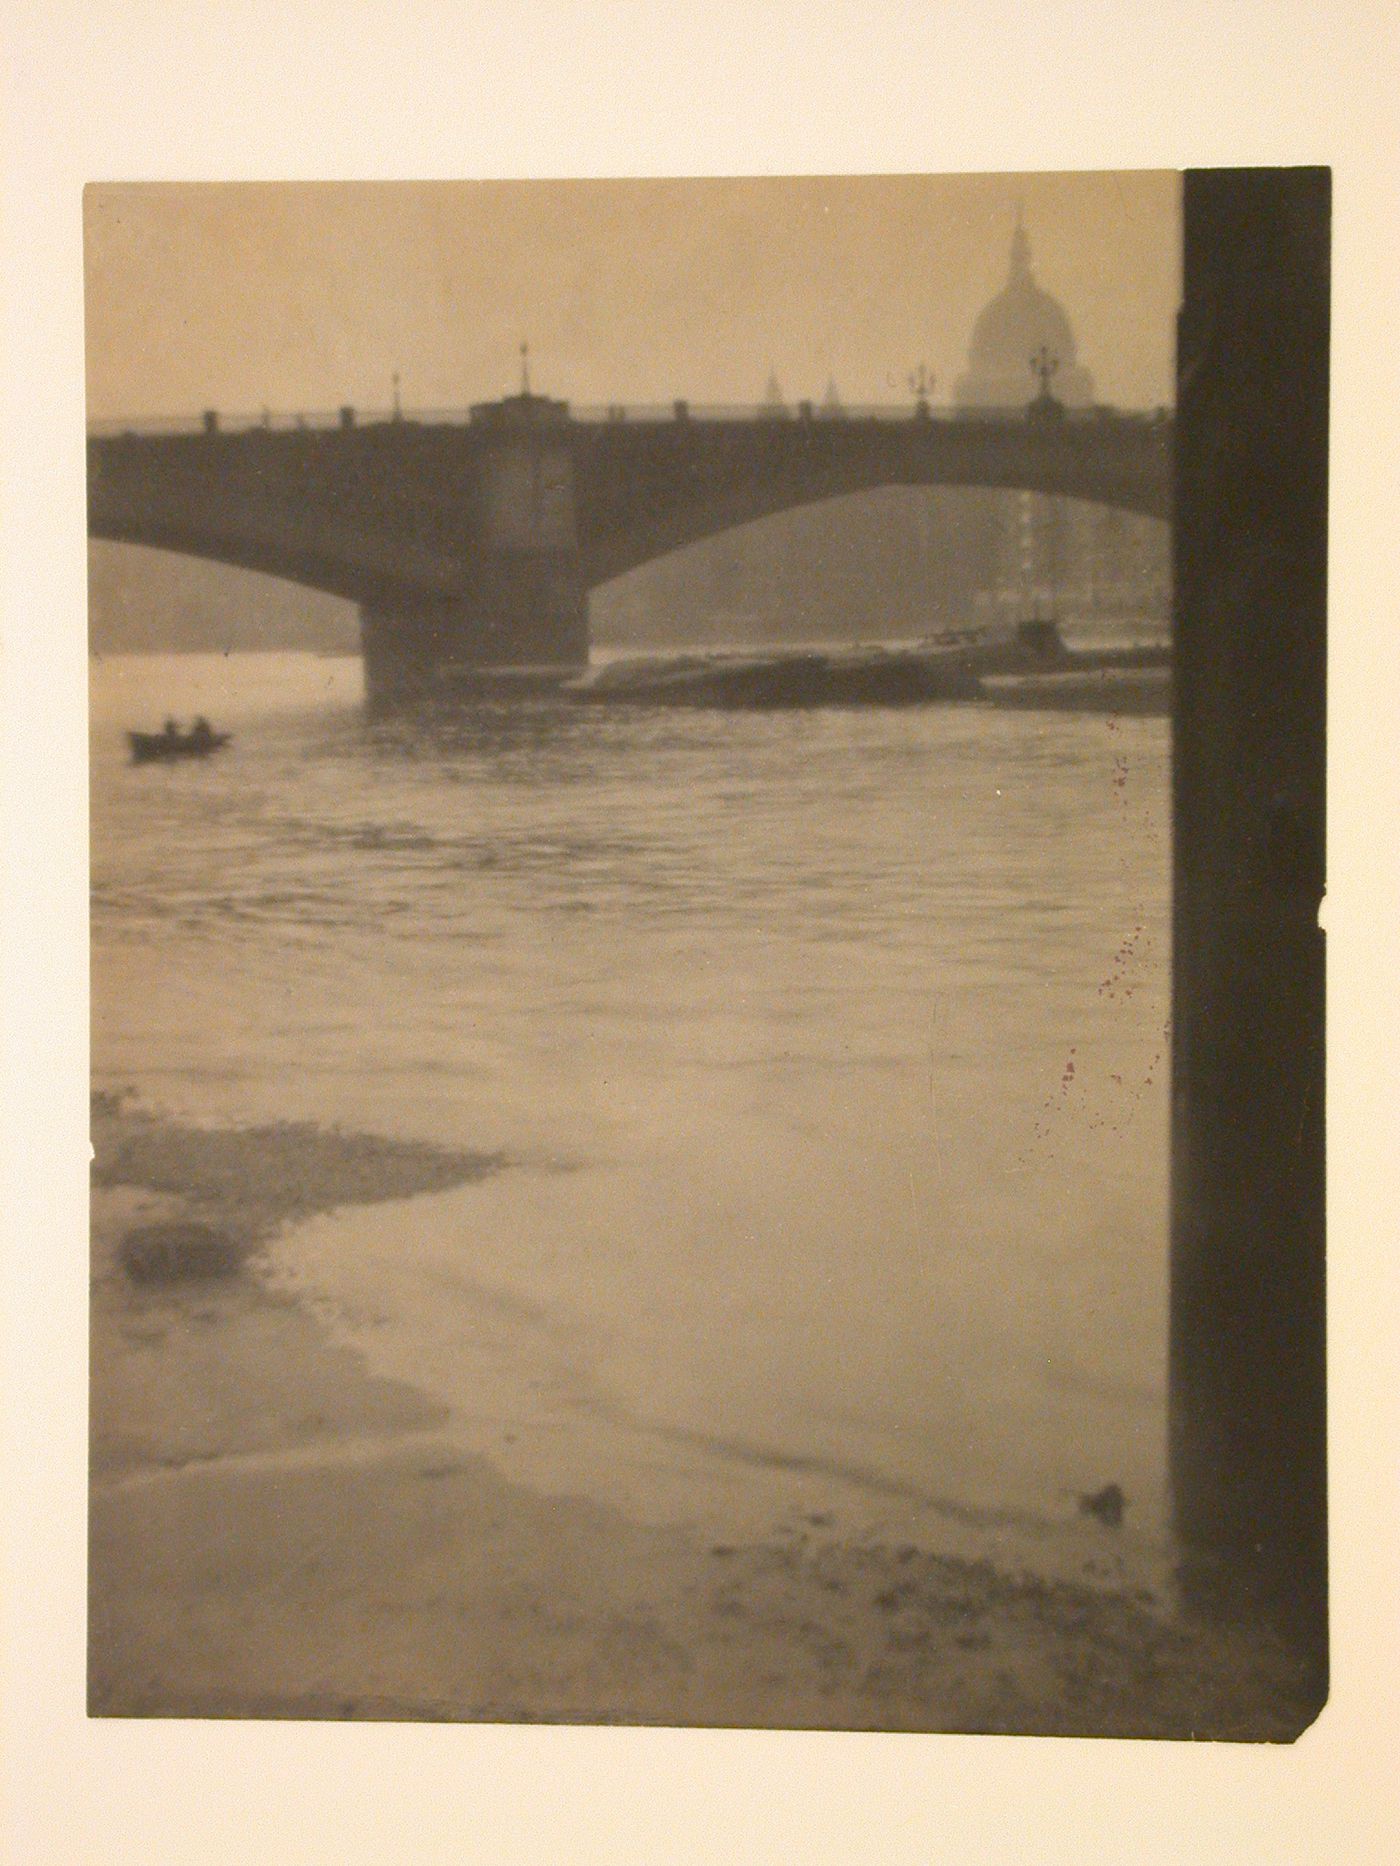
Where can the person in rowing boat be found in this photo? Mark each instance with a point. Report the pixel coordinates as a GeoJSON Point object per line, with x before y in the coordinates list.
{"type": "Point", "coordinates": [172, 729]}
{"type": "Point", "coordinates": [202, 732]}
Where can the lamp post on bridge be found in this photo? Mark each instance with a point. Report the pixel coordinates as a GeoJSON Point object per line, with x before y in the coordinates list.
{"type": "Point", "coordinates": [1044, 367]}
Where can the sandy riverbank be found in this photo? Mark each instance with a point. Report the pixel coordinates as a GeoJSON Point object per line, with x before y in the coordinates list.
{"type": "Point", "coordinates": [276, 1532]}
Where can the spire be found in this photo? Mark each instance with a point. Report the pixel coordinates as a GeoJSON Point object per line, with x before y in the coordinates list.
{"type": "Point", "coordinates": [1020, 252]}
{"type": "Point", "coordinates": [524, 369]}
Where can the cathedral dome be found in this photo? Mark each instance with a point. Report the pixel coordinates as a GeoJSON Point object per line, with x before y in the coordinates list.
{"type": "Point", "coordinates": [1020, 321]}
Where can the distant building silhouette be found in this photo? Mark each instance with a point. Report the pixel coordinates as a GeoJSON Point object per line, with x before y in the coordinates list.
{"type": "Point", "coordinates": [1052, 553]}
{"type": "Point", "coordinates": [1018, 324]}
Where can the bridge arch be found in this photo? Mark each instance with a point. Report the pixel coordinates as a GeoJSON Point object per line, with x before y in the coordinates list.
{"type": "Point", "coordinates": [320, 572]}
{"type": "Point", "coordinates": [643, 494]}
{"type": "Point", "coordinates": [885, 563]}
{"type": "Point", "coordinates": [473, 544]}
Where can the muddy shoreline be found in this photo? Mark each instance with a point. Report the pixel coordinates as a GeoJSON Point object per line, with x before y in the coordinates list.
{"type": "Point", "coordinates": [276, 1532]}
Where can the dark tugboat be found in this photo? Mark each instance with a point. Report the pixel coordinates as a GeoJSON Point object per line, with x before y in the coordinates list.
{"type": "Point", "coordinates": [198, 742]}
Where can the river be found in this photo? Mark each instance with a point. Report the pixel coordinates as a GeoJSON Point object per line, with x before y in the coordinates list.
{"type": "Point", "coordinates": [828, 1050]}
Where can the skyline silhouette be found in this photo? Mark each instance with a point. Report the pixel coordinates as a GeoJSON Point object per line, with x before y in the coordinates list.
{"type": "Point", "coordinates": [295, 296]}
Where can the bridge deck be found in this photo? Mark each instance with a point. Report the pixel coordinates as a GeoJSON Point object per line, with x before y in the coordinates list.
{"type": "Point", "coordinates": [397, 512]}
{"type": "Point", "coordinates": [643, 413]}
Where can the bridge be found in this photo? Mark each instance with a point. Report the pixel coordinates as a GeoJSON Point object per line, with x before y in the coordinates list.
{"type": "Point", "coordinates": [470, 542]}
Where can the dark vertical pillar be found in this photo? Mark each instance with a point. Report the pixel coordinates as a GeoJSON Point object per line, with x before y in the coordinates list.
{"type": "Point", "coordinates": [527, 611]}
{"type": "Point", "coordinates": [1248, 1411]}
{"type": "Point", "coordinates": [522, 613]}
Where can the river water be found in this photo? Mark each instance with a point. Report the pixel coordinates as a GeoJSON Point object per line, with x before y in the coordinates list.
{"type": "Point", "coordinates": [828, 1050]}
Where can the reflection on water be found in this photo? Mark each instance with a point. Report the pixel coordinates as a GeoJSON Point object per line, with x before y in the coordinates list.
{"type": "Point", "coordinates": [850, 1026]}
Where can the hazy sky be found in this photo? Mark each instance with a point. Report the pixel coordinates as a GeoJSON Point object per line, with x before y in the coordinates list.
{"type": "Point", "coordinates": [305, 295]}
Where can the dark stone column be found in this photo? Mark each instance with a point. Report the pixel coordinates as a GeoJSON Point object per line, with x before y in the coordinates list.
{"type": "Point", "coordinates": [525, 615]}
{"type": "Point", "coordinates": [522, 612]}
{"type": "Point", "coordinates": [1248, 1393]}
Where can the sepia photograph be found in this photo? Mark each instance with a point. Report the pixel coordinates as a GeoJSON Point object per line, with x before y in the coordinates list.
{"type": "Point", "coordinates": [706, 1029]}
{"type": "Point", "coordinates": [699, 857]}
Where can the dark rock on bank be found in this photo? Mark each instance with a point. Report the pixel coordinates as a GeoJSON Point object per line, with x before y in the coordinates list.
{"type": "Point", "coordinates": [179, 1252]}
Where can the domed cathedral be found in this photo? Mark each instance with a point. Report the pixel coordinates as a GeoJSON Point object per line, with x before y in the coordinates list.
{"type": "Point", "coordinates": [1056, 557]}
{"type": "Point", "coordinates": [1022, 330]}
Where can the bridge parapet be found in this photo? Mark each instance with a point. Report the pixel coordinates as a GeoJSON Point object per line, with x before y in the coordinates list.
{"type": "Point", "coordinates": [643, 414]}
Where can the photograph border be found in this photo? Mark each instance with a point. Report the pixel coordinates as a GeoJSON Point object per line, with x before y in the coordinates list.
{"type": "Point", "coordinates": [153, 91]}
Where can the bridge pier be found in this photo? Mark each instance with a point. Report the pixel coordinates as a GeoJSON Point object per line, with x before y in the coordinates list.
{"type": "Point", "coordinates": [524, 618]}
{"type": "Point", "coordinates": [522, 611]}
